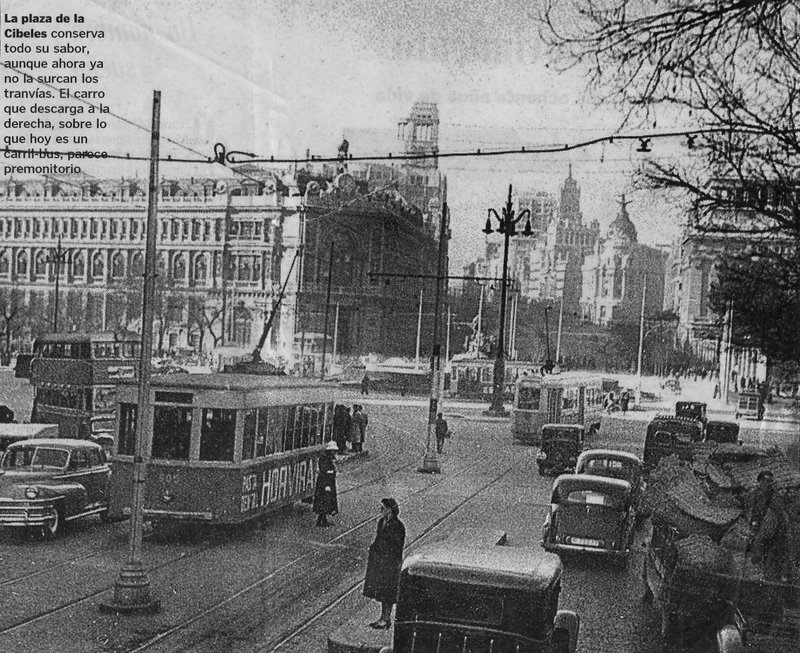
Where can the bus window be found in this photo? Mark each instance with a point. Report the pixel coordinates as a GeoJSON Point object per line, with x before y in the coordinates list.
{"type": "Point", "coordinates": [217, 434]}
{"type": "Point", "coordinates": [249, 433]}
{"type": "Point", "coordinates": [529, 398]}
{"type": "Point", "coordinates": [172, 432]}
{"type": "Point", "coordinates": [127, 429]}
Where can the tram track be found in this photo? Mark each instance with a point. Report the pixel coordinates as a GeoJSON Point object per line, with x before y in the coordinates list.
{"type": "Point", "coordinates": [284, 638]}
{"type": "Point", "coordinates": [89, 594]}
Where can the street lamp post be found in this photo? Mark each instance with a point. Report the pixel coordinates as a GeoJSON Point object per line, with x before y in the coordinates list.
{"type": "Point", "coordinates": [507, 224]}
{"type": "Point", "coordinates": [56, 257]}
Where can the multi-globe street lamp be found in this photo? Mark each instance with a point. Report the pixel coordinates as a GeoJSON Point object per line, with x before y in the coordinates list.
{"type": "Point", "coordinates": [507, 227]}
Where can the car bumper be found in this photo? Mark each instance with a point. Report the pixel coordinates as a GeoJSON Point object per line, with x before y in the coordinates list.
{"type": "Point", "coordinates": [24, 513]}
{"type": "Point", "coordinates": [553, 547]}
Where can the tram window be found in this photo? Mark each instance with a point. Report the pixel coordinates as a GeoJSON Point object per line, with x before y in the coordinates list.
{"type": "Point", "coordinates": [172, 432]}
{"type": "Point", "coordinates": [529, 398]}
{"type": "Point", "coordinates": [217, 434]}
{"type": "Point", "coordinates": [264, 437]}
{"type": "Point", "coordinates": [249, 433]}
{"type": "Point", "coordinates": [127, 429]}
{"type": "Point", "coordinates": [274, 434]}
{"type": "Point", "coordinates": [289, 438]}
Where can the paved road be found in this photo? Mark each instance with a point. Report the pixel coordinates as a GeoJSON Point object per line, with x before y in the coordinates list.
{"type": "Point", "coordinates": [285, 585]}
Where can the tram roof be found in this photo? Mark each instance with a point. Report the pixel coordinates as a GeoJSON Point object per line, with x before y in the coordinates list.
{"type": "Point", "coordinates": [514, 568]}
{"type": "Point", "coordinates": [565, 378]}
{"type": "Point", "coordinates": [224, 381]}
{"type": "Point", "coordinates": [100, 336]}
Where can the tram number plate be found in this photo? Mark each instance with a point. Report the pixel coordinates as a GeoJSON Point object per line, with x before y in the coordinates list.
{"type": "Point", "coordinates": [169, 477]}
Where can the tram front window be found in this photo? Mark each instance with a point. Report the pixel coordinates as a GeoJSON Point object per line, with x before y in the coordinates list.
{"type": "Point", "coordinates": [529, 398]}
{"type": "Point", "coordinates": [217, 434]}
{"type": "Point", "coordinates": [172, 432]}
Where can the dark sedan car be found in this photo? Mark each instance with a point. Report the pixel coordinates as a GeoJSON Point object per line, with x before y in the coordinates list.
{"type": "Point", "coordinates": [561, 445]}
{"type": "Point", "coordinates": [46, 482]}
{"type": "Point", "coordinates": [590, 514]}
{"type": "Point", "coordinates": [611, 463]}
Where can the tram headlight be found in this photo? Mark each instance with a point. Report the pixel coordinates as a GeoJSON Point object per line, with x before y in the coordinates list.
{"type": "Point", "coordinates": [31, 492]}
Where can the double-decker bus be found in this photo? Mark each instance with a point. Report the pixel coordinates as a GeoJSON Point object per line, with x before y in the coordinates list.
{"type": "Point", "coordinates": [74, 376]}
{"type": "Point", "coordinates": [223, 448]}
{"type": "Point", "coordinates": [569, 398]}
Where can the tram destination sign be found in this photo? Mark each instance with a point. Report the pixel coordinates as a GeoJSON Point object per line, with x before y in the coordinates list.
{"type": "Point", "coordinates": [281, 483]}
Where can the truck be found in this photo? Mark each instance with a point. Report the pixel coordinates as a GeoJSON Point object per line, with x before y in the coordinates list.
{"type": "Point", "coordinates": [698, 570]}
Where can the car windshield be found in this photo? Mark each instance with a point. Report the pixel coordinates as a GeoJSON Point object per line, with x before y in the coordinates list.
{"type": "Point", "coordinates": [609, 467]}
{"type": "Point", "coordinates": [35, 458]}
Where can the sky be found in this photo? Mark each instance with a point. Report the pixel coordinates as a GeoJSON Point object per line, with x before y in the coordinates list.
{"type": "Point", "coordinates": [280, 77]}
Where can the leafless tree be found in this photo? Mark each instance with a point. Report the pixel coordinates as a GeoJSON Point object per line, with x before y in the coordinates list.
{"type": "Point", "coordinates": [12, 310]}
{"type": "Point", "coordinates": [729, 69]}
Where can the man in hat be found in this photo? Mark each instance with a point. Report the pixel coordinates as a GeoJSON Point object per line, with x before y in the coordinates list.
{"type": "Point", "coordinates": [325, 499]}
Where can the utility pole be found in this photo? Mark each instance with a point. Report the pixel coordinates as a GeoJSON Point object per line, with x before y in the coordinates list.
{"type": "Point", "coordinates": [132, 588]}
{"type": "Point", "coordinates": [430, 462]}
{"type": "Point", "coordinates": [638, 395]}
{"type": "Point", "coordinates": [56, 258]}
{"type": "Point", "coordinates": [335, 333]}
{"type": "Point", "coordinates": [327, 311]}
{"type": "Point", "coordinates": [419, 329]}
{"type": "Point", "coordinates": [560, 322]}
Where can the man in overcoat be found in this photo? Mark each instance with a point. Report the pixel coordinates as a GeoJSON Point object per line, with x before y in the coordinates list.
{"type": "Point", "coordinates": [384, 561]}
{"type": "Point", "coordinates": [325, 498]}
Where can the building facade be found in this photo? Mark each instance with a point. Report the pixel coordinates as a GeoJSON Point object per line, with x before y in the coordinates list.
{"type": "Point", "coordinates": [614, 275]}
{"type": "Point", "coordinates": [226, 249]}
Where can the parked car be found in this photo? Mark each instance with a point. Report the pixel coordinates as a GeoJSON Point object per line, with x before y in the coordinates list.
{"type": "Point", "coordinates": [464, 598]}
{"type": "Point", "coordinates": [561, 445]}
{"type": "Point", "coordinates": [590, 514]}
{"type": "Point", "coordinates": [692, 409]}
{"type": "Point", "coordinates": [611, 463]}
{"type": "Point", "coordinates": [668, 435]}
{"type": "Point", "coordinates": [47, 482]}
{"type": "Point", "coordinates": [751, 404]}
{"type": "Point", "coordinates": [722, 432]}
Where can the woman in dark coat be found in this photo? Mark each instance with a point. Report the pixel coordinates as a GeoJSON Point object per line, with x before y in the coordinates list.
{"type": "Point", "coordinates": [325, 499]}
{"type": "Point", "coordinates": [385, 559]}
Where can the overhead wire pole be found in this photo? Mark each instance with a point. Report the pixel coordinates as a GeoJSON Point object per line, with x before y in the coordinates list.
{"type": "Point", "coordinates": [132, 588]}
{"type": "Point", "coordinates": [430, 462]}
{"type": "Point", "coordinates": [57, 258]}
{"type": "Point", "coordinates": [327, 312]}
{"type": "Point", "coordinates": [638, 395]}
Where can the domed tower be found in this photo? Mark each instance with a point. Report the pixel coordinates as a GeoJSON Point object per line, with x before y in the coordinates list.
{"type": "Point", "coordinates": [622, 230]}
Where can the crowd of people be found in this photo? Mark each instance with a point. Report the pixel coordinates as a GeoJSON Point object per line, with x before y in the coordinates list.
{"type": "Point", "coordinates": [349, 428]}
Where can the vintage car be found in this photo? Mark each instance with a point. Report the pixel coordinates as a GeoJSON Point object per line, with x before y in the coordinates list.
{"type": "Point", "coordinates": [615, 464]}
{"type": "Point", "coordinates": [722, 432]}
{"type": "Point", "coordinates": [751, 405]}
{"type": "Point", "coordinates": [458, 597]}
{"type": "Point", "coordinates": [590, 513]}
{"type": "Point", "coordinates": [560, 447]}
{"type": "Point", "coordinates": [46, 482]}
{"type": "Point", "coordinates": [694, 409]}
{"type": "Point", "coordinates": [668, 435]}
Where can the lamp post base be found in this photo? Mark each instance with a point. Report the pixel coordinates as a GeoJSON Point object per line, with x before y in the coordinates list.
{"type": "Point", "coordinates": [131, 593]}
{"type": "Point", "coordinates": [430, 464]}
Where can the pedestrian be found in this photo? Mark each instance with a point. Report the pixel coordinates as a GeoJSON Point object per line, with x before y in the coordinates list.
{"type": "Point", "coordinates": [358, 428]}
{"type": "Point", "coordinates": [347, 423]}
{"type": "Point", "coordinates": [717, 392]}
{"type": "Point", "coordinates": [340, 431]}
{"type": "Point", "coordinates": [768, 528]}
{"type": "Point", "coordinates": [442, 432]}
{"type": "Point", "coordinates": [325, 498]}
{"type": "Point", "coordinates": [624, 400]}
{"type": "Point", "coordinates": [384, 561]}
{"type": "Point", "coordinates": [365, 384]}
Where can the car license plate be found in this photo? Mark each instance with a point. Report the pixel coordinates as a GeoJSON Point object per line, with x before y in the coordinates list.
{"type": "Point", "coordinates": [582, 541]}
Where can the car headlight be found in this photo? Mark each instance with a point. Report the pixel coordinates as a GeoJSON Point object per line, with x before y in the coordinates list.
{"type": "Point", "coordinates": [31, 492]}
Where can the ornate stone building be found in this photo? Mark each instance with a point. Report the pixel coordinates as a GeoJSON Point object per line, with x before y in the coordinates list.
{"type": "Point", "coordinates": [265, 227]}
{"type": "Point", "coordinates": [614, 275]}
{"type": "Point", "coordinates": [547, 265]}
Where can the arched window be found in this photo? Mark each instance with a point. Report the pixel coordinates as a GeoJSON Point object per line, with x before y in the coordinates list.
{"type": "Point", "coordinates": [22, 263]}
{"type": "Point", "coordinates": [98, 266]}
{"type": "Point", "coordinates": [137, 265]}
{"type": "Point", "coordinates": [40, 264]}
{"type": "Point", "coordinates": [4, 265]}
{"type": "Point", "coordinates": [78, 265]}
{"type": "Point", "coordinates": [118, 266]}
{"type": "Point", "coordinates": [179, 268]}
{"type": "Point", "coordinates": [200, 269]}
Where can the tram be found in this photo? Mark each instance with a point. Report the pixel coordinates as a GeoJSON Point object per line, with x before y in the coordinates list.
{"type": "Point", "coordinates": [473, 378]}
{"type": "Point", "coordinates": [74, 375]}
{"type": "Point", "coordinates": [223, 448]}
{"type": "Point", "coordinates": [570, 398]}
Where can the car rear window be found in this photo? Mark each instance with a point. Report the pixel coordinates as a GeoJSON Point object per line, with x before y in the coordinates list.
{"type": "Point", "coordinates": [592, 498]}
